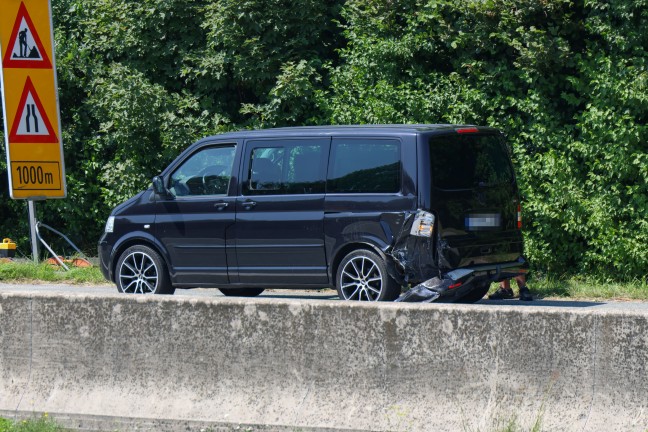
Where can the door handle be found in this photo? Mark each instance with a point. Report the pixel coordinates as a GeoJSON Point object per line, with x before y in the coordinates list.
{"type": "Point", "coordinates": [249, 204]}
{"type": "Point", "coordinates": [221, 205]}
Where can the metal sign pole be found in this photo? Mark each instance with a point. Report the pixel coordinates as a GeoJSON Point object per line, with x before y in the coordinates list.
{"type": "Point", "coordinates": [32, 229]}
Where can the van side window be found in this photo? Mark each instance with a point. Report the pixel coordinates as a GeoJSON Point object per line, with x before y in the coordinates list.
{"type": "Point", "coordinates": [266, 167]}
{"type": "Point", "coordinates": [364, 166]}
{"type": "Point", "coordinates": [206, 172]}
{"type": "Point", "coordinates": [290, 168]}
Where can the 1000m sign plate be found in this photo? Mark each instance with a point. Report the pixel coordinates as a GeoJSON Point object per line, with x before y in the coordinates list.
{"type": "Point", "coordinates": [31, 175]}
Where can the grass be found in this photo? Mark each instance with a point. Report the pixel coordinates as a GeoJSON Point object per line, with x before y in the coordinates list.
{"type": "Point", "coordinates": [42, 424]}
{"type": "Point", "coordinates": [583, 288]}
{"type": "Point", "coordinates": [26, 271]}
{"type": "Point", "coordinates": [512, 426]}
{"type": "Point", "coordinates": [586, 289]}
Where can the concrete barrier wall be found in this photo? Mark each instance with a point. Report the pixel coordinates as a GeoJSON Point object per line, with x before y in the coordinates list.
{"type": "Point", "coordinates": [324, 365]}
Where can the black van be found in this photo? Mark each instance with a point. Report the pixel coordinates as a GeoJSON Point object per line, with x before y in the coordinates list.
{"type": "Point", "coordinates": [367, 209]}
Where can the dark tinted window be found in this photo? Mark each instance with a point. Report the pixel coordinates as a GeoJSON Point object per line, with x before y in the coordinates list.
{"type": "Point", "coordinates": [465, 161]}
{"type": "Point", "coordinates": [305, 170]}
{"type": "Point", "coordinates": [364, 166]}
{"type": "Point", "coordinates": [266, 166]}
{"type": "Point", "coordinates": [286, 168]}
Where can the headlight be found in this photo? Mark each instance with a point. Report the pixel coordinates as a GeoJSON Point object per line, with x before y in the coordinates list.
{"type": "Point", "coordinates": [110, 224]}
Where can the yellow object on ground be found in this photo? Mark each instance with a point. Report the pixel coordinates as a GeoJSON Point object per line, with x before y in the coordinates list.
{"type": "Point", "coordinates": [7, 248]}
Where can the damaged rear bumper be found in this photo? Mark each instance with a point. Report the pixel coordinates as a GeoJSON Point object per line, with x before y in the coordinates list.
{"type": "Point", "coordinates": [458, 283]}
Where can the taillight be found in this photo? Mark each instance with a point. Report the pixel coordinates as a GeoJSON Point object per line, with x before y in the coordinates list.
{"type": "Point", "coordinates": [519, 216]}
{"type": "Point", "coordinates": [423, 225]}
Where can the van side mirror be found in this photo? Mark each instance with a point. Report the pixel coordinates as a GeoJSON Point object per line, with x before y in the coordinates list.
{"type": "Point", "coordinates": [159, 188]}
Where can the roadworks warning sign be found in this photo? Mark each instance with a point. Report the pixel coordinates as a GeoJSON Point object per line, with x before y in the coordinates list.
{"type": "Point", "coordinates": [30, 101]}
{"type": "Point", "coordinates": [25, 49]}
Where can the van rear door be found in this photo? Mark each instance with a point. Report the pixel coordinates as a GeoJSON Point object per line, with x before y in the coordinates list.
{"type": "Point", "coordinates": [475, 198]}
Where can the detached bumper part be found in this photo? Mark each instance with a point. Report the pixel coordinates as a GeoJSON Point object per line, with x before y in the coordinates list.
{"type": "Point", "coordinates": [432, 289]}
{"type": "Point", "coordinates": [419, 294]}
{"type": "Point", "coordinates": [462, 281]}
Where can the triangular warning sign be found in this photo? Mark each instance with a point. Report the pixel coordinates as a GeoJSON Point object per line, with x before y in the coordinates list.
{"type": "Point", "coordinates": [25, 49]}
{"type": "Point", "coordinates": [31, 124]}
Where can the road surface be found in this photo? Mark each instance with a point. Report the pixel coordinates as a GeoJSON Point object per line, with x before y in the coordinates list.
{"type": "Point", "coordinates": [326, 294]}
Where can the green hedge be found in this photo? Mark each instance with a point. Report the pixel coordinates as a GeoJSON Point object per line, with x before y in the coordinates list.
{"type": "Point", "coordinates": [141, 80]}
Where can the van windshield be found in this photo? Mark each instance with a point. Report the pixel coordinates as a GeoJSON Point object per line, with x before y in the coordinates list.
{"type": "Point", "coordinates": [469, 160]}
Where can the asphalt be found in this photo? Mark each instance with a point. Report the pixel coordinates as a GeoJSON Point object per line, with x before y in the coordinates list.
{"type": "Point", "coordinates": [324, 294]}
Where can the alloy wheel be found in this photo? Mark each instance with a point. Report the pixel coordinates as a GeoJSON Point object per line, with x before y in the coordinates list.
{"type": "Point", "coordinates": [361, 279]}
{"type": "Point", "coordinates": [138, 274]}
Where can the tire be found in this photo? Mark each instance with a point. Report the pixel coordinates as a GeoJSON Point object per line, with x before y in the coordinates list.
{"type": "Point", "coordinates": [241, 292]}
{"type": "Point", "coordinates": [362, 275]}
{"type": "Point", "coordinates": [476, 294]}
{"type": "Point", "coordinates": [141, 270]}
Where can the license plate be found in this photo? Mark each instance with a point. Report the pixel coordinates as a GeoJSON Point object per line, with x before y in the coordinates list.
{"type": "Point", "coordinates": [483, 221]}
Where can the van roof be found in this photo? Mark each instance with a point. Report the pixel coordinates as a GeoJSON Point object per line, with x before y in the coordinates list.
{"type": "Point", "coordinates": [346, 130]}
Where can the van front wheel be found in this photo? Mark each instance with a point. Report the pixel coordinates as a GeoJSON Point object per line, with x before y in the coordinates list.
{"type": "Point", "coordinates": [362, 275]}
{"type": "Point", "coordinates": [141, 270]}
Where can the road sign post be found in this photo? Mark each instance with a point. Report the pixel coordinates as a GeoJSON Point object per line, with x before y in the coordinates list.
{"type": "Point", "coordinates": [35, 163]}
{"type": "Point", "coordinates": [32, 229]}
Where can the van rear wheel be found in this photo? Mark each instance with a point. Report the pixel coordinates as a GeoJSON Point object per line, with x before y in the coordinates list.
{"type": "Point", "coordinates": [362, 275]}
